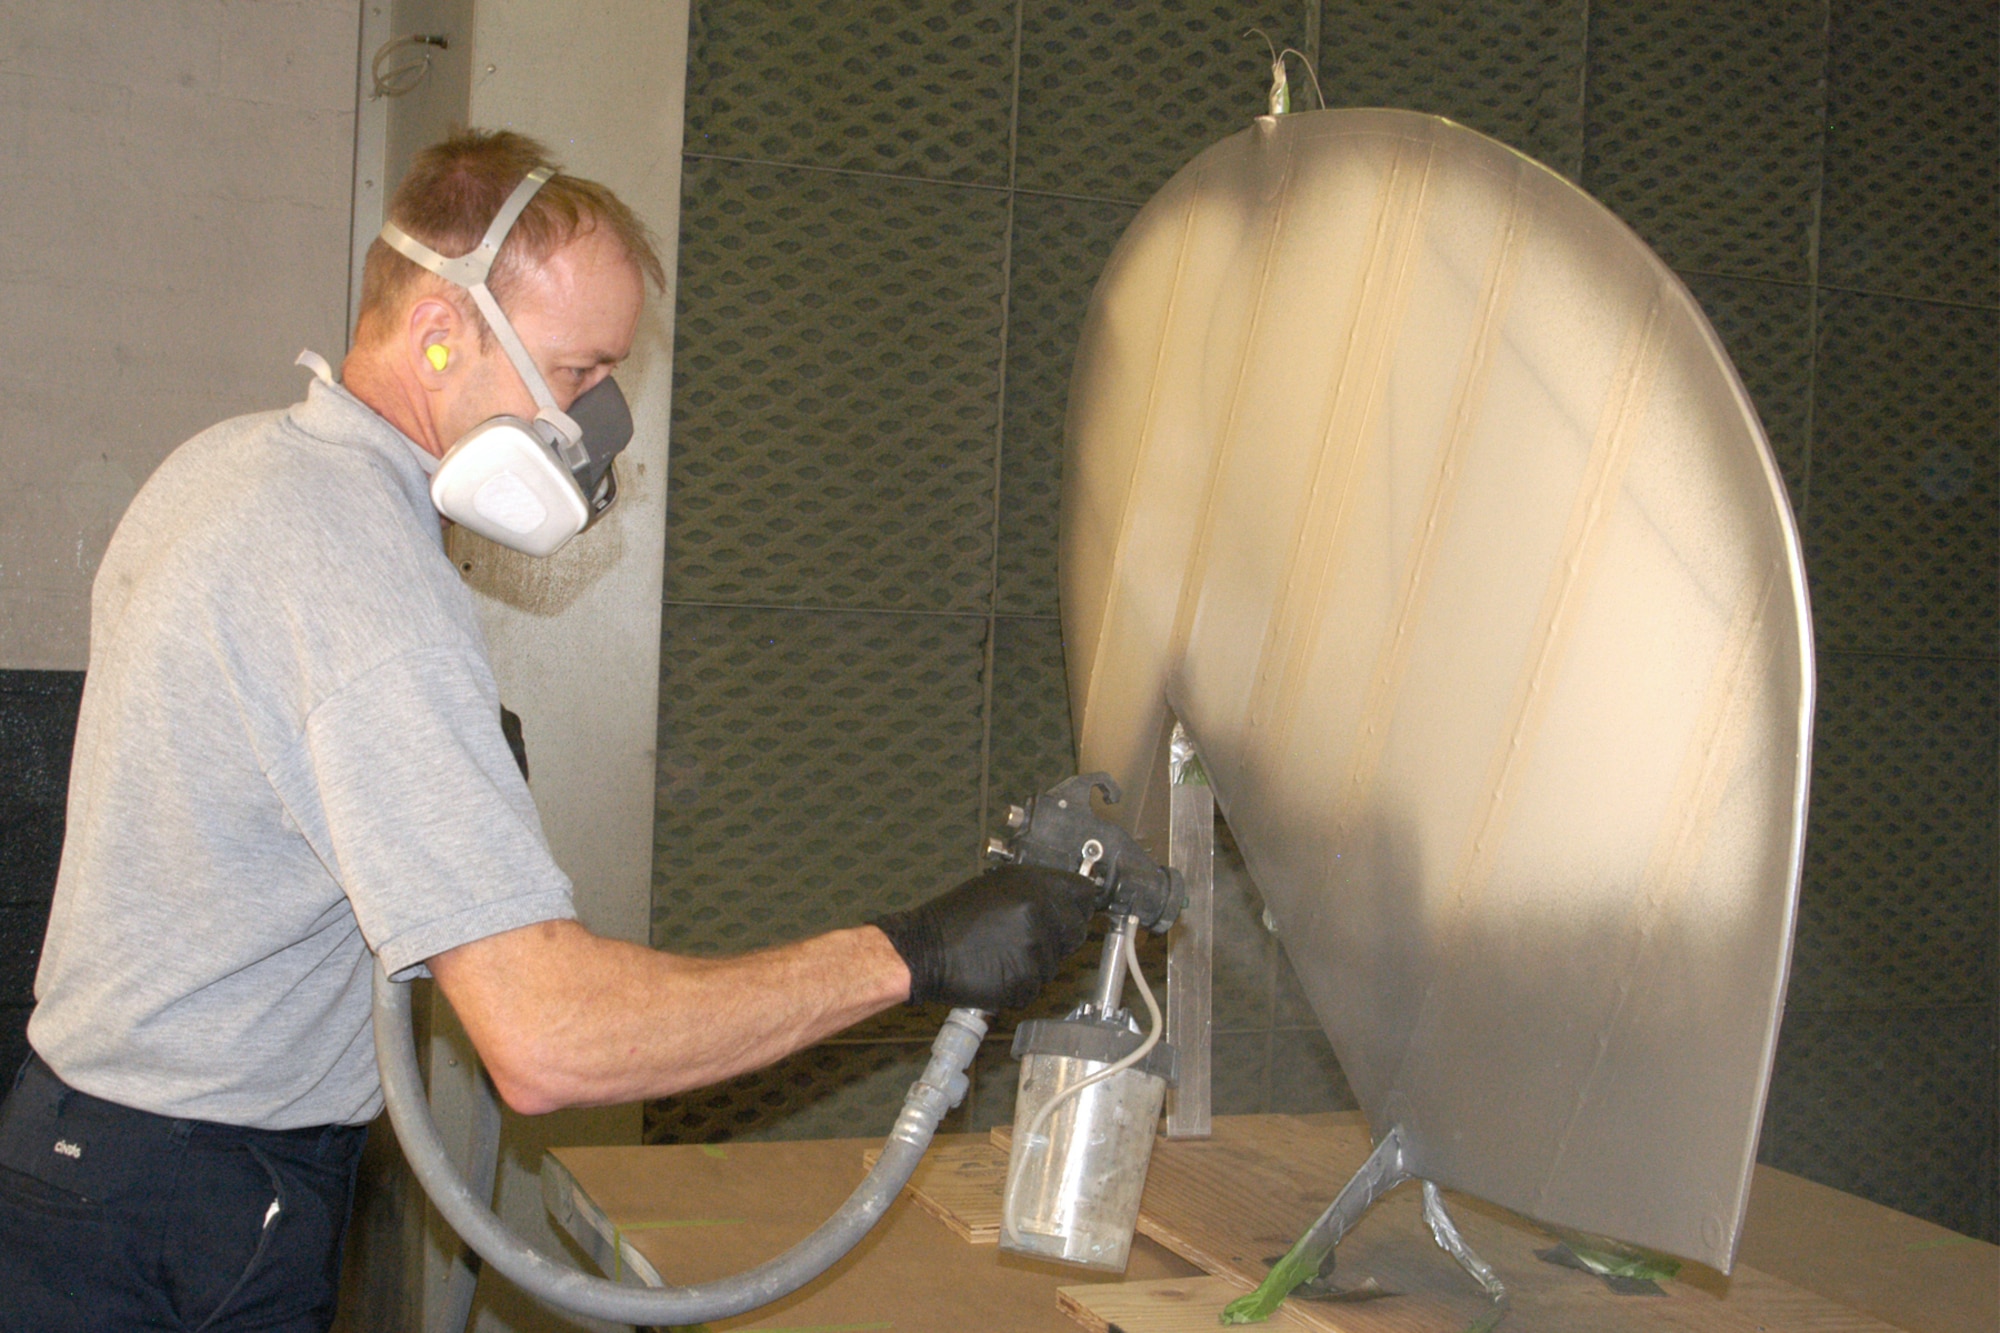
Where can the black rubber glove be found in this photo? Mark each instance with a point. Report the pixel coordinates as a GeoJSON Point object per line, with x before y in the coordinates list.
{"type": "Point", "coordinates": [994, 941]}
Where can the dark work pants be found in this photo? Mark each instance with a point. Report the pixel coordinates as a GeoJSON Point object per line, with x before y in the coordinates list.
{"type": "Point", "coordinates": [114, 1219]}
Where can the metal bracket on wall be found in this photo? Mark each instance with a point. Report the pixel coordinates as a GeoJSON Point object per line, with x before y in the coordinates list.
{"type": "Point", "coordinates": [1191, 944]}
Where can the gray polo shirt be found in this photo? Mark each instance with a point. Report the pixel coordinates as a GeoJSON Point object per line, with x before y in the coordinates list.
{"type": "Point", "coordinates": [289, 755]}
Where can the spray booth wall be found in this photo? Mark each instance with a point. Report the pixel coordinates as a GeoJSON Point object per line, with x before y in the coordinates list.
{"type": "Point", "coordinates": [892, 218]}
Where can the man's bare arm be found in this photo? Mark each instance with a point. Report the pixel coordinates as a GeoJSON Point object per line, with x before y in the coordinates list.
{"type": "Point", "coordinates": [566, 1018]}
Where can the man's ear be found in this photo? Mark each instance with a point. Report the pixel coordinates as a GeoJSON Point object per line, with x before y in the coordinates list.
{"type": "Point", "coordinates": [434, 340]}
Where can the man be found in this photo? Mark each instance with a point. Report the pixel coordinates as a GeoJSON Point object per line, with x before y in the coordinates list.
{"type": "Point", "coordinates": [289, 763]}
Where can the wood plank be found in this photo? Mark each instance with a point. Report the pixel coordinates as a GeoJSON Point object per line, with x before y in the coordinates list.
{"type": "Point", "coordinates": [1238, 1200]}
{"type": "Point", "coordinates": [1192, 1305]}
{"type": "Point", "coordinates": [1565, 1301]}
{"type": "Point", "coordinates": [1903, 1269]}
{"type": "Point", "coordinates": [960, 1185]}
{"type": "Point", "coordinates": [1233, 1203]}
{"type": "Point", "coordinates": [1183, 1305]}
{"type": "Point", "coordinates": [1235, 1200]}
{"type": "Point", "coordinates": [1754, 1301]}
{"type": "Point", "coordinates": [698, 1213]}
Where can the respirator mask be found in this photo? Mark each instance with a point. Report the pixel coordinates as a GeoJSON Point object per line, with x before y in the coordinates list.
{"type": "Point", "coordinates": [528, 485]}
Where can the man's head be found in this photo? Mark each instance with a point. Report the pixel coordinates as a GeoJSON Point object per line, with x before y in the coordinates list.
{"type": "Point", "coordinates": [570, 277]}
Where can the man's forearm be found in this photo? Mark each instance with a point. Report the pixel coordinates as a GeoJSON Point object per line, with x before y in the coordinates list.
{"type": "Point", "coordinates": [566, 1018]}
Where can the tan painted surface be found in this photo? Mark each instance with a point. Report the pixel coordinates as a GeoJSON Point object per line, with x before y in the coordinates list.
{"type": "Point", "coordinates": [1422, 493]}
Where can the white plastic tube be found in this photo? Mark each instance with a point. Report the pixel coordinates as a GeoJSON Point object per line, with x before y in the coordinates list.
{"type": "Point", "coordinates": [1140, 1052]}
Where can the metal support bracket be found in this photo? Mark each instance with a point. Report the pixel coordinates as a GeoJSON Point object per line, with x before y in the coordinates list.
{"type": "Point", "coordinates": [1453, 1244]}
{"type": "Point", "coordinates": [1386, 1168]}
{"type": "Point", "coordinates": [1191, 944]}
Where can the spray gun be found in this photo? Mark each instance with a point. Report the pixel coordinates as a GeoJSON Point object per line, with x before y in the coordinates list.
{"type": "Point", "coordinates": [1058, 830]}
{"type": "Point", "coordinates": [1092, 1084]}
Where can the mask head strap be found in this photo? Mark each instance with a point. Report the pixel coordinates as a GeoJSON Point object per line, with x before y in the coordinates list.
{"type": "Point", "coordinates": [470, 271]}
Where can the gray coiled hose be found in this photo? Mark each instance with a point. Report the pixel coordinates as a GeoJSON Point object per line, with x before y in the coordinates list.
{"type": "Point", "coordinates": [941, 1087]}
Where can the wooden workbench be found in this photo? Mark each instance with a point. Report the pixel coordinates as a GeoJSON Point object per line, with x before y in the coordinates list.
{"type": "Point", "coordinates": [1813, 1260]}
{"type": "Point", "coordinates": [689, 1214]}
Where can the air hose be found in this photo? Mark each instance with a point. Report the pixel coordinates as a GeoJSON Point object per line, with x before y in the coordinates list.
{"type": "Point", "coordinates": [941, 1087]}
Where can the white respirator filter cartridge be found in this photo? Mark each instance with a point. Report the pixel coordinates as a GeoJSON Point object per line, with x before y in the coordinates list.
{"type": "Point", "coordinates": [503, 483]}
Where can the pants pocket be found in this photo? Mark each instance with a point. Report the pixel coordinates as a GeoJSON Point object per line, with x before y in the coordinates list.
{"type": "Point", "coordinates": [55, 1247]}
{"type": "Point", "coordinates": [289, 1278]}
{"type": "Point", "coordinates": [28, 1194]}
{"type": "Point", "coordinates": [226, 1207]}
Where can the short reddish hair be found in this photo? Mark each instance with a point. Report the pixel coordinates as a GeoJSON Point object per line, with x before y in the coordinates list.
{"type": "Point", "coordinates": [451, 194]}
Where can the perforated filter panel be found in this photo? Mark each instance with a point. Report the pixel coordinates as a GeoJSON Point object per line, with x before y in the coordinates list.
{"type": "Point", "coordinates": [836, 1090]}
{"type": "Point", "coordinates": [1923, 1080]}
{"type": "Point", "coordinates": [1901, 540]}
{"type": "Point", "coordinates": [917, 89]}
{"type": "Point", "coordinates": [1509, 68]}
{"type": "Point", "coordinates": [1899, 909]}
{"type": "Point", "coordinates": [798, 790]}
{"type": "Point", "coordinates": [1116, 97]}
{"type": "Point", "coordinates": [1913, 151]}
{"type": "Point", "coordinates": [1704, 130]}
{"type": "Point", "coordinates": [1059, 248]}
{"type": "Point", "coordinates": [1700, 130]}
{"type": "Point", "coordinates": [836, 393]}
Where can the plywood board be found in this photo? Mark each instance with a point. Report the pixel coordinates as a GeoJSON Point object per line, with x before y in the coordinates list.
{"type": "Point", "coordinates": [698, 1213]}
{"type": "Point", "coordinates": [1913, 1273]}
{"type": "Point", "coordinates": [959, 1184]}
{"type": "Point", "coordinates": [1235, 1202]}
{"type": "Point", "coordinates": [1176, 1305]}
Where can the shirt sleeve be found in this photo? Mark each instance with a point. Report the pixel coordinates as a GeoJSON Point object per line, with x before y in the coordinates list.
{"type": "Point", "coordinates": [435, 839]}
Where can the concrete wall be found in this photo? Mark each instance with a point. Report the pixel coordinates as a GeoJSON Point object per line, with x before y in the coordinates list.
{"type": "Point", "coordinates": [174, 208]}
{"type": "Point", "coordinates": [181, 209]}
{"type": "Point", "coordinates": [175, 178]}
{"type": "Point", "coordinates": [576, 637]}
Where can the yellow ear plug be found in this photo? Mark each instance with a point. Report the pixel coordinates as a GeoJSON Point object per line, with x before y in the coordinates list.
{"type": "Point", "coordinates": [438, 355]}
